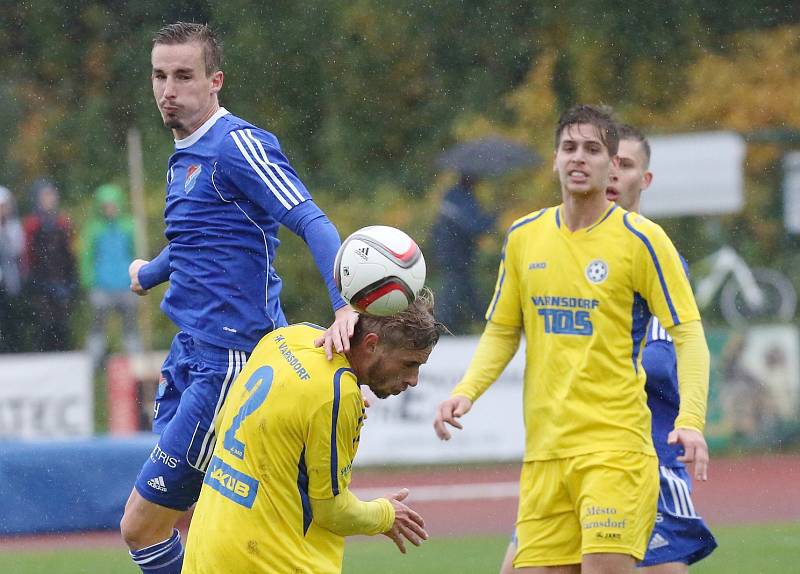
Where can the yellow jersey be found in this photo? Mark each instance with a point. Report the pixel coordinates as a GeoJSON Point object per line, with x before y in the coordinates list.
{"type": "Point", "coordinates": [288, 432]}
{"type": "Point", "coordinates": [584, 299]}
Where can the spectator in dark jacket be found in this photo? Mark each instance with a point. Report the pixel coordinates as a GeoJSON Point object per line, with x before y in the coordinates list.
{"type": "Point", "coordinates": [12, 242]}
{"type": "Point", "coordinates": [454, 242]}
{"type": "Point", "coordinates": [50, 270]}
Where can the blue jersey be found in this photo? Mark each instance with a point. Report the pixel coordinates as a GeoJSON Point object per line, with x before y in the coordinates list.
{"type": "Point", "coordinates": [229, 188]}
{"type": "Point", "coordinates": [661, 366]}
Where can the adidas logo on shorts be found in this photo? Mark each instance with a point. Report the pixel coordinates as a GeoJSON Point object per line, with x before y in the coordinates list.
{"type": "Point", "coordinates": [158, 483]}
{"type": "Point", "coordinates": [658, 541]}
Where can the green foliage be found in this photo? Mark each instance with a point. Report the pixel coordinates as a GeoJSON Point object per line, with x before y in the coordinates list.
{"type": "Point", "coordinates": [365, 94]}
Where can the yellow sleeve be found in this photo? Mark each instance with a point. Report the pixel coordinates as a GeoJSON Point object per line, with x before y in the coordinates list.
{"type": "Point", "coordinates": [495, 349]}
{"type": "Point", "coordinates": [504, 308]}
{"type": "Point", "coordinates": [333, 436]}
{"type": "Point", "coordinates": [659, 275]}
{"type": "Point", "coordinates": [346, 515]}
{"type": "Point", "coordinates": [694, 362]}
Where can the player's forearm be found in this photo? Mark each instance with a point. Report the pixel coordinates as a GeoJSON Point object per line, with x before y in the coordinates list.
{"type": "Point", "coordinates": [693, 367]}
{"type": "Point", "coordinates": [309, 223]}
{"type": "Point", "coordinates": [346, 515]}
{"type": "Point", "coordinates": [496, 348]}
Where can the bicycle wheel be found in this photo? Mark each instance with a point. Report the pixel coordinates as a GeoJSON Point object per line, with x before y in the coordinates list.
{"type": "Point", "coordinates": [780, 299]}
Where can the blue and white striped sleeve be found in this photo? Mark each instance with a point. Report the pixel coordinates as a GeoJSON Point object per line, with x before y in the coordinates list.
{"type": "Point", "coordinates": [252, 161]}
{"type": "Point", "coordinates": [657, 332]}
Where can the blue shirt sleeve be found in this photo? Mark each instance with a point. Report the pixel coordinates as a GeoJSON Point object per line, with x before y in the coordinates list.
{"type": "Point", "coordinates": [156, 271]}
{"type": "Point", "coordinates": [251, 160]}
{"type": "Point", "coordinates": [320, 234]}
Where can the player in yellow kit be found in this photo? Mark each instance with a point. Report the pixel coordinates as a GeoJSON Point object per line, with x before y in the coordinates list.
{"type": "Point", "coordinates": [275, 497]}
{"type": "Point", "coordinates": [581, 280]}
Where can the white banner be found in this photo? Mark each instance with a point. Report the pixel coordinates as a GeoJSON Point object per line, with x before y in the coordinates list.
{"type": "Point", "coordinates": [399, 430]}
{"type": "Point", "coordinates": [45, 395]}
{"type": "Point", "coordinates": [683, 182]}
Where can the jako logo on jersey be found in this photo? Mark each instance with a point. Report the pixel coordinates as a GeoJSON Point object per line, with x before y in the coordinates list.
{"type": "Point", "coordinates": [597, 271]}
{"type": "Point", "coordinates": [191, 177]}
{"type": "Point", "coordinates": [159, 455]}
{"type": "Point", "coordinates": [537, 265]}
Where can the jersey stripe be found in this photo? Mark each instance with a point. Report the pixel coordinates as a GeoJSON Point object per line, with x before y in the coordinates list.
{"type": "Point", "coordinates": [639, 316]}
{"type": "Point", "coordinates": [502, 278]}
{"type": "Point", "coordinates": [337, 378]}
{"type": "Point", "coordinates": [657, 332]}
{"type": "Point", "coordinates": [237, 139]}
{"type": "Point", "coordinates": [661, 278]}
{"type": "Point", "coordinates": [260, 156]}
{"type": "Point", "coordinates": [236, 361]}
{"type": "Point", "coordinates": [276, 169]}
{"type": "Point", "coordinates": [264, 237]}
{"type": "Point", "coordinates": [681, 497]}
{"type": "Point", "coordinates": [302, 488]}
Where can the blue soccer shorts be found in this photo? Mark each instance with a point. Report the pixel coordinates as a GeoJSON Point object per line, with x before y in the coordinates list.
{"type": "Point", "coordinates": [195, 379]}
{"type": "Point", "coordinates": [679, 535]}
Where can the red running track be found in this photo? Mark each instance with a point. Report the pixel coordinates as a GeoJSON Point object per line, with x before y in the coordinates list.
{"type": "Point", "coordinates": [747, 490]}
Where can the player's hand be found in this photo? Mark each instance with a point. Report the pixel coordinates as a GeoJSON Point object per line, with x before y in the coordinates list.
{"type": "Point", "coordinates": [338, 335]}
{"type": "Point", "coordinates": [695, 450]}
{"type": "Point", "coordinates": [408, 525]}
{"type": "Point", "coordinates": [367, 402]}
{"type": "Point", "coordinates": [448, 412]}
{"type": "Point", "coordinates": [133, 271]}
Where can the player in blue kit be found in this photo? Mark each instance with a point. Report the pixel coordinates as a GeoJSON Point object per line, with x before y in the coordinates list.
{"type": "Point", "coordinates": [229, 188]}
{"type": "Point", "coordinates": [680, 537]}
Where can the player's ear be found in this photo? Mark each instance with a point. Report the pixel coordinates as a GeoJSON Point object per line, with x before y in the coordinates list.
{"type": "Point", "coordinates": [370, 342]}
{"type": "Point", "coordinates": [217, 79]}
{"type": "Point", "coordinates": [647, 179]}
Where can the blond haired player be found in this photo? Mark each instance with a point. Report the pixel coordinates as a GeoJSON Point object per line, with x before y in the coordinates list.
{"type": "Point", "coordinates": [582, 279]}
{"type": "Point", "coordinates": [275, 497]}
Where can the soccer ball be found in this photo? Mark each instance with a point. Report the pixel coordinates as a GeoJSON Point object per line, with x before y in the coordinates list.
{"type": "Point", "coordinates": [379, 270]}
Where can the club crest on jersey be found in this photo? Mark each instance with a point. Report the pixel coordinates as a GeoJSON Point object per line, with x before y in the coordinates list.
{"type": "Point", "coordinates": [597, 271]}
{"type": "Point", "coordinates": [191, 177]}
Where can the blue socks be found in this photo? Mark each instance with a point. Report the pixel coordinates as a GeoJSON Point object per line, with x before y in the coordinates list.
{"type": "Point", "coordinates": [163, 558]}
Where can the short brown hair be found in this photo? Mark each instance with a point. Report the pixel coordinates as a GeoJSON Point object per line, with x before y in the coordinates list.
{"type": "Point", "coordinates": [601, 117]}
{"type": "Point", "coordinates": [186, 32]}
{"type": "Point", "coordinates": [415, 328]}
{"type": "Point", "coordinates": [628, 132]}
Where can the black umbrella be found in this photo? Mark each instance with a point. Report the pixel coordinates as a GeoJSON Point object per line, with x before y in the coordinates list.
{"type": "Point", "coordinates": [487, 157]}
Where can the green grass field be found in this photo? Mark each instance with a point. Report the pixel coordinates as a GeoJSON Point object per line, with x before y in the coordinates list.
{"type": "Point", "coordinates": [765, 549]}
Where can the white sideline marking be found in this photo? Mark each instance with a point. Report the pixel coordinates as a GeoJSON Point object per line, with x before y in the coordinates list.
{"type": "Point", "coordinates": [441, 492]}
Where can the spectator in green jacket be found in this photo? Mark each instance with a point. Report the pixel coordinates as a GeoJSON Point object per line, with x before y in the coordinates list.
{"type": "Point", "coordinates": [106, 248]}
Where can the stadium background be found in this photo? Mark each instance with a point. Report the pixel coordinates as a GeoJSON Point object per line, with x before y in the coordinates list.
{"type": "Point", "coordinates": [364, 96]}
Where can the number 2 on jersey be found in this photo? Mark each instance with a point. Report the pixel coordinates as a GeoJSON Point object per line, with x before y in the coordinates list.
{"type": "Point", "coordinates": [259, 385]}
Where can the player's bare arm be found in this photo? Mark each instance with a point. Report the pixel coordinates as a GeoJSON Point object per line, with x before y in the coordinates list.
{"type": "Point", "coordinates": [449, 411]}
{"type": "Point", "coordinates": [408, 525]}
{"type": "Point", "coordinates": [337, 336]}
{"type": "Point", "coordinates": [695, 450]}
{"type": "Point", "coordinates": [133, 271]}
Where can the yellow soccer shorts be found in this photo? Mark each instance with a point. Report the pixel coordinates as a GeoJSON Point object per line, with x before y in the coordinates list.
{"type": "Point", "coordinates": [598, 502]}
